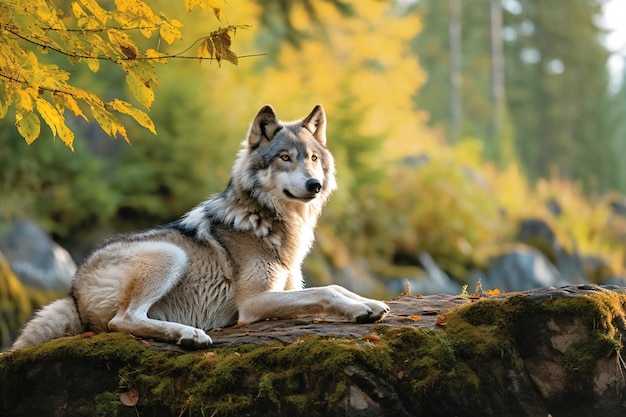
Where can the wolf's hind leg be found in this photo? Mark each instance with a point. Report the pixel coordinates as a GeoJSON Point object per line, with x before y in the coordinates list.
{"type": "Point", "coordinates": [153, 270]}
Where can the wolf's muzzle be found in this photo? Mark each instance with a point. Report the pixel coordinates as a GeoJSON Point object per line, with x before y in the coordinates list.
{"type": "Point", "coordinates": [313, 186]}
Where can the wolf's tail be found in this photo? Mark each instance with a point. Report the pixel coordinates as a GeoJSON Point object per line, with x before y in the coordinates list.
{"type": "Point", "coordinates": [57, 319]}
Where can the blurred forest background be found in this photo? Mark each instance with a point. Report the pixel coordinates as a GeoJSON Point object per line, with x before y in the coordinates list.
{"type": "Point", "coordinates": [451, 122]}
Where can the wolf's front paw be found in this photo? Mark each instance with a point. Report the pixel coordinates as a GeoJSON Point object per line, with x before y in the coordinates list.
{"type": "Point", "coordinates": [371, 312]}
{"type": "Point", "coordinates": [194, 338]}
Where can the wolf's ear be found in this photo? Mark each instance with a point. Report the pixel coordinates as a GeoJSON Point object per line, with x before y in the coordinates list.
{"type": "Point", "coordinates": [316, 124]}
{"type": "Point", "coordinates": [264, 127]}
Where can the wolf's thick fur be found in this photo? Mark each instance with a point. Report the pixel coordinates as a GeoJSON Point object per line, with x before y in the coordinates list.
{"type": "Point", "coordinates": [234, 258]}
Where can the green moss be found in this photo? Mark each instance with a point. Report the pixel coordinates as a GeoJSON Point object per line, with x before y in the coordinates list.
{"type": "Point", "coordinates": [600, 310]}
{"type": "Point", "coordinates": [470, 361]}
{"type": "Point", "coordinates": [580, 359]}
{"type": "Point", "coordinates": [107, 404]}
{"type": "Point", "coordinates": [495, 327]}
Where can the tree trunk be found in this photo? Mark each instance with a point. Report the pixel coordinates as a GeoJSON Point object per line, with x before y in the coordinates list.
{"type": "Point", "coordinates": [497, 76]}
{"type": "Point", "coordinates": [456, 69]}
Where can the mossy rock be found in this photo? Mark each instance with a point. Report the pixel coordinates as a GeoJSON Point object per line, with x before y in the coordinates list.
{"type": "Point", "coordinates": [483, 359]}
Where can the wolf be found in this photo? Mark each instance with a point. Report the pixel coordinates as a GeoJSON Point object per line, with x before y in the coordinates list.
{"type": "Point", "coordinates": [235, 258]}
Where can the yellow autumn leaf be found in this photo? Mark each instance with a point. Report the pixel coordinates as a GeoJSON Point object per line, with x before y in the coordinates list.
{"type": "Point", "coordinates": [28, 125]}
{"type": "Point", "coordinates": [65, 101]}
{"type": "Point", "coordinates": [217, 11]}
{"type": "Point", "coordinates": [156, 56]}
{"type": "Point", "coordinates": [169, 33]}
{"type": "Point", "coordinates": [88, 23]}
{"type": "Point", "coordinates": [103, 118]}
{"type": "Point", "coordinates": [124, 42]}
{"type": "Point", "coordinates": [140, 89]}
{"type": "Point", "coordinates": [96, 10]}
{"type": "Point", "coordinates": [48, 14]}
{"type": "Point", "coordinates": [119, 129]}
{"type": "Point", "coordinates": [50, 115]}
{"type": "Point", "coordinates": [93, 64]}
{"type": "Point", "coordinates": [66, 135]}
{"type": "Point", "coordinates": [4, 100]}
{"type": "Point", "coordinates": [140, 117]}
{"type": "Point", "coordinates": [190, 4]}
{"type": "Point", "coordinates": [23, 99]}
{"type": "Point", "coordinates": [78, 11]}
{"type": "Point", "coordinates": [109, 123]}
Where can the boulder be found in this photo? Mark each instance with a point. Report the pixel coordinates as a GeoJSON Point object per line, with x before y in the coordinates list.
{"type": "Point", "coordinates": [434, 281]}
{"type": "Point", "coordinates": [522, 268]}
{"type": "Point", "coordinates": [538, 234]}
{"type": "Point", "coordinates": [36, 259]}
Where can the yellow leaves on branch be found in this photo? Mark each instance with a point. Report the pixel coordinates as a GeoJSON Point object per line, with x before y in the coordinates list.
{"type": "Point", "coordinates": [205, 4]}
{"type": "Point", "coordinates": [217, 45]}
{"type": "Point", "coordinates": [139, 116]}
{"type": "Point", "coordinates": [88, 33]}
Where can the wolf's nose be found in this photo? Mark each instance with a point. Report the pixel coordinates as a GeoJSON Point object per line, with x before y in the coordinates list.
{"type": "Point", "coordinates": [313, 186]}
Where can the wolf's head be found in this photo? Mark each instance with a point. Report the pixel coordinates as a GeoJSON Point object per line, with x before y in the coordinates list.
{"type": "Point", "coordinates": [283, 164]}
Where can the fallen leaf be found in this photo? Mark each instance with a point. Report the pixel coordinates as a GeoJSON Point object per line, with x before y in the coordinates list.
{"type": "Point", "coordinates": [441, 321]}
{"type": "Point", "coordinates": [415, 318]}
{"type": "Point", "coordinates": [130, 397]}
{"type": "Point", "coordinates": [372, 337]}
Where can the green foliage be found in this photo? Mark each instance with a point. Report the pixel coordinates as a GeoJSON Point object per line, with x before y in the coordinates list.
{"type": "Point", "coordinates": [441, 206]}
{"type": "Point", "coordinates": [64, 191]}
{"type": "Point", "coordinates": [160, 178]}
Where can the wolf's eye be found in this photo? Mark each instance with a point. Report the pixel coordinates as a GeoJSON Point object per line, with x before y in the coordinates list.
{"type": "Point", "coordinates": [313, 157]}
{"type": "Point", "coordinates": [285, 158]}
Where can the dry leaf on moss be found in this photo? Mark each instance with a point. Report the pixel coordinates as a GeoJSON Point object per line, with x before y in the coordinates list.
{"type": "Point", "coordinates": [130, 397]}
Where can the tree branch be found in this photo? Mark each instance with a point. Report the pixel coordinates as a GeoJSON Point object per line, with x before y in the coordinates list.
{"type": "Point", "coordinates": [38, 42]}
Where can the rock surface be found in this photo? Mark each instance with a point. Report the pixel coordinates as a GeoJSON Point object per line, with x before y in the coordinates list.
{"type": "Point", "coordinates": [552, 351]}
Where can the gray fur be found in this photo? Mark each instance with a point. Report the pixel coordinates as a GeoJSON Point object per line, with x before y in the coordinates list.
{"type": "Point", "coordinates": [236, 257]}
